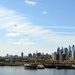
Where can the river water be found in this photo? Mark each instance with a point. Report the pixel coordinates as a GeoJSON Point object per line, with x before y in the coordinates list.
{"type": "Point", "coordinates": [21, 71]}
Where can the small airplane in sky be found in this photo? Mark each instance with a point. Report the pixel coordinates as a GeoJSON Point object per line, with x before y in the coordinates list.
{"type": "Point", "coordinates": [15, 25]}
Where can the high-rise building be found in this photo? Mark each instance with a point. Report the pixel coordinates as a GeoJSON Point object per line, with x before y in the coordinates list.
{"type": "Point", "coordinates": [58, 50]}
{"type": "Point", "coordinates": [34, 55]}
{"type": "Point", "coordinates": [30, 55]}
{"type": "Point", "coordinates": [62, 50]}
{"type": "Point", "coordinates": [66, 53]}
{"type": "Point", "coordinates": [73, 55]}
{"type": "Point", "coordinates": [60, 53]}
{"type": "Point", "coordinates": [70, 52]}
{"type": "Point", "coordinates": [63, 57]}
{"type": "Point", "coordinates": [39, 54]}
{"type": "Point", "coordinates": [54, 56]}
{"type": "Point", "coordinates": [22, 55]}
{"type": "Point", "coordinates": [73, 47]}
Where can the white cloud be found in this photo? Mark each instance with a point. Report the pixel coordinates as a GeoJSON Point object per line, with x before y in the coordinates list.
{"type": "Point", "coordinates": [30, 2]}
{"type": "Point", "coordinates": [58, 27]}
{"type": "Point", "coordinates": [13, 34]}
{"type": "Point", "coordinates": [9, 19]}
{"type": "Point", "coordinates": [22, 42]}
{"type": "Point", "coordinates": [44, 12]}
{"type": "Point", "coordinates": [61, 27]}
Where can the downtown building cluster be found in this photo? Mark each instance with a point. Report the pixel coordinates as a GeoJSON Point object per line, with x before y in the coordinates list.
{"type": "Point", "coordinates": [14, 56]}
{"type": "Point", "coordinates": [64, 53]}
{"type": "Point", "coordinates": [37, 55]}
{"type": "Point", "coordinates": [67, 53]}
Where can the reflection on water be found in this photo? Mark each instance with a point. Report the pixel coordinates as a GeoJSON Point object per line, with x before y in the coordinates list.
{"type": "Point", "coordinates": [21, 71]}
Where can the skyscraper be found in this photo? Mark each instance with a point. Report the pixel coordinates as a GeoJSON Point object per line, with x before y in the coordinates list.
{"type": "Point", "coordinates": [73, 47]}
{"type": "Point", "coordinates": [54, 56]}
{"type": "Point", "coordinates": [58, 50]}
{"type": "Point", "coordinates": [66, 53]}
{"type": "Point", "coordinates": [22, 55]}
{"type": "Point", "coordinates": [73, 55]}
{"type": "Point", "coordinates": [62, 50]}
{"type": "Point", "coordinates": [70, 52]}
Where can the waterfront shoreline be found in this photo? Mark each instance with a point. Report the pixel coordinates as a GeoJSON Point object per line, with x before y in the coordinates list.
{"type": "Point", "coordinates": [45, 66]}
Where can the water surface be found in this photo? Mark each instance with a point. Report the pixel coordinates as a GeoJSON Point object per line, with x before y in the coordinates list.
{"type": "Point", "coordinates": [21, 71]}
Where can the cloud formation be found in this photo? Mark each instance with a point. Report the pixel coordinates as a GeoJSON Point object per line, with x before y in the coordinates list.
{"type": "Point", "coordinates": [60, 27]}
{"type": "Point", "coordinates": [44, 12]}
{"type": "Point", "coordinates": [13, 34]}
{"type": "Point", "coordinates": [30, 2]}
{"type": "Point", "coordinates": [22, 42]}
{"type": "Point", "coordinates": [9, 18]}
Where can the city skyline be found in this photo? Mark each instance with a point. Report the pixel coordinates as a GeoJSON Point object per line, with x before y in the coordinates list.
{"type": "Point", "coordinates": [59, 51]}
{"type": "Point", "coordinates": [64, 53]}
{"type": "Point", "coordinates": [29, 25]}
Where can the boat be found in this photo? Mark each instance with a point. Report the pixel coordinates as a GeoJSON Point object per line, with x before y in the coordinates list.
{"type": "Point", "coordinates": [50, 66]}
{"type": "Point", "coordinates": [30, 66]}
{"type": "Point", "coordinates": [62, 67]}
{"type": "Point", "coordinates": [65, 67]}
{"type": "Point", "coordinates": [40, 66]}
{"type": "Point", "coordinates": [73, 65]}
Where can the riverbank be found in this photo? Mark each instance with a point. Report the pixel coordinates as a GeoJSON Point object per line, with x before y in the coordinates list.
{"type": "Point", "coordinates": [11, 64]}
{"type": "Point", "coordinates": [55, 66]}
{"type": "Point", "coordinates": [47, 63]}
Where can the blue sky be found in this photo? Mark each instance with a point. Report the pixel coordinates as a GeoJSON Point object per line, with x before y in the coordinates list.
{"type": "Point", "coordinates": [30, 25]}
